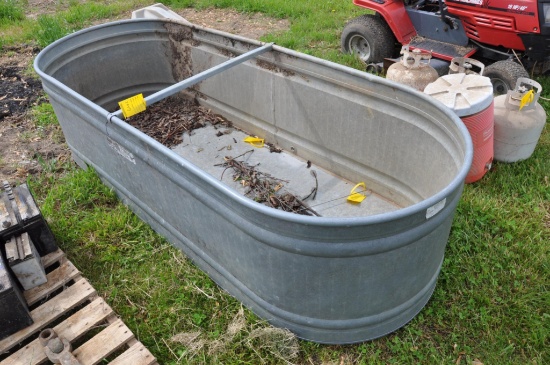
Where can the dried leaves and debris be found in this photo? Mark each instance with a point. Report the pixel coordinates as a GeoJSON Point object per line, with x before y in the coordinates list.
{"type": "Point", "coordinates": [193, 341]}
{"type": "Point", "coordinates": [17, 92]}
{"type": "Point", "coordinates": [264, 188]}
{"type": "Point", "coordinates": [169, 119]}
{"type": "Point", "coordinates": [280, 343]}
{"type": "Point", "coordinates": [237, 325]}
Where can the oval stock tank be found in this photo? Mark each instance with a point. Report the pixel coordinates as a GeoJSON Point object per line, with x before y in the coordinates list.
{"type": "Point", "coordinates": [353, 272]}
{"type": "Point", "coordinates": [518, 127]}
{"type": "Point", "coordinates": [471, 98]}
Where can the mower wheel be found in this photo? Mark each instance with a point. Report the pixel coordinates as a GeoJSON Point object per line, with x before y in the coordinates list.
{"type": "Point", "coordinates": [503, 75]}
{"type": "Point", "coordinates": [368, 37]}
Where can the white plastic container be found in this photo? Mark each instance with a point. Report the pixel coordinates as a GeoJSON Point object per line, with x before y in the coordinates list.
{"type": "Point", "coordinates": [518, 129]}
{"type": "Point", "coordinates": [470, 96]}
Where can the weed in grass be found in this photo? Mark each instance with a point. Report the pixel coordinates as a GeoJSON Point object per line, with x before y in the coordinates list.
{"type": "Point", "coordinates": [43, 115]}
{"type": "Point", "coordinates": [18, 33]}
{"type": "Point", "coordinates": [81, 14]}
{"type": "Point", "coordinates": [52, 166]}
{"type": "Point", "coordinates": [10, 11]}
{"type": "Point", "coordinates": [50, 28]}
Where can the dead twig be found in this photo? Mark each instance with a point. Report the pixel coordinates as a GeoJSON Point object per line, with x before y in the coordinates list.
{"type": "Point", "coordinates": [313, 192]}
{"type": "Point", "coordinates": [264, 188]}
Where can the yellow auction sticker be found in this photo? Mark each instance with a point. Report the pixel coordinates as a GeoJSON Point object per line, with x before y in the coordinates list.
{"type": "Point", "coordinates": [255, 141]}
{"type": "Point", "coordinates": [132, 106]}
{"type": "Point", "coordinates": [527, 99]}
{"type": "Point", "coordinates": [354, 197]}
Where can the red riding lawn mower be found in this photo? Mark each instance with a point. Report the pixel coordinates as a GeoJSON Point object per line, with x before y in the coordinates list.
{"type": "Point", "coordinates": [511, 37]}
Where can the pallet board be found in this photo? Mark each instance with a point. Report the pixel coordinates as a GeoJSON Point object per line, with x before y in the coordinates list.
{"type": "Point", "coordinates": [69, 304]}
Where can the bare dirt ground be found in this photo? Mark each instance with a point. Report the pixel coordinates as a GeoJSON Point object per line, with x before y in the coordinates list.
{"type": "Point", "coordinates": [26, 149]}
{"type": "Point", "coordinates": [247, 25]}
{"type": "Point", "coordinates": [39, 7]}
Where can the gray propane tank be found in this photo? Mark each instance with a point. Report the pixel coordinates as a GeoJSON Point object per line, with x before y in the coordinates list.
{"type": "Point", "coordinates": [411, 71]}
{"type": "Point", "coordinates": [517, 128]}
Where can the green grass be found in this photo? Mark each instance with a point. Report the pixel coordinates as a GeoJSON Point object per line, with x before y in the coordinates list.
{"type": "Point", "coordinates": [11, 11]}
{"type": "Point", "coordinates": [44, 115]}
{"type": "Point", "coordinates": [491, 301]}
{"type": "Point", "coordinates": [11, 16]}
{"type": "Point", "coordinates": [70, 17]}
{"type": "Point", "coordinates": [50, 28]}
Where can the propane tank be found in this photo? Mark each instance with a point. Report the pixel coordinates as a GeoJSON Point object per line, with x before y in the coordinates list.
{"type": "Point", "coordinates": [471, 98]}
{"type": "Point", "coordinates": [411, 71]}
{"type": "Point", "coordinates": [519, 121]}
{"type": "Point", "coordinates": [466, 65]}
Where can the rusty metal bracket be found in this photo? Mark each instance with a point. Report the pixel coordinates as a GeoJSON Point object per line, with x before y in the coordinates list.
{"type": "Point", "coordinates": [58, 349]}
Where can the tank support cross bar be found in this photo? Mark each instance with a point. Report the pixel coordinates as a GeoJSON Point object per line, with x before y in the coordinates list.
{"type": "Point", "coordinates": [184, 84]}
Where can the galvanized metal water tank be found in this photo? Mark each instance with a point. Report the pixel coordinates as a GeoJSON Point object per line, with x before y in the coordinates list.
{"type": "Point", "coordinates": [328, 279]}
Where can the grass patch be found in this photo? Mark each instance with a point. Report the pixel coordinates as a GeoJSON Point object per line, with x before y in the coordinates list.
{"type": "Point", "coordinates": [11, 11]}
{"type": "Point", "coordinates": [51, 28]}
{"type": "Point", "coordinates": [157, 291]}
{"type": "Point", "coordinates": [44, 115]}
{"type": "Point", "coordinates": [491, 299]}
{"type": "Point", "coordinates": [70, 17]}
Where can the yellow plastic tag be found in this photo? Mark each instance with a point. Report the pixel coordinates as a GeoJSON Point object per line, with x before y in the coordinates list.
{"type": "Point", "coordinates": [527, 99]}
{"type": "Point", "coordinates": [255, 141]}
{"type": "Point", "coordinates": [132, 106]}
{"type": "Point", "coordinates": [354, 197]}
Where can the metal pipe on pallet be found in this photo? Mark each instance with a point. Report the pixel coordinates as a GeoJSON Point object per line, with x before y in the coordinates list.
{"type": "Point", "coordinates": [184, 84]}
{"type": "Point", "coordinates": [57, 349]}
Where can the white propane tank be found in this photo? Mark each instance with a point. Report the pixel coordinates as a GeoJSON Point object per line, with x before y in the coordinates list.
{"type": "Point", "coordinates": [518, 127]}
{"type": "Point", "coordinates": [411, 71]}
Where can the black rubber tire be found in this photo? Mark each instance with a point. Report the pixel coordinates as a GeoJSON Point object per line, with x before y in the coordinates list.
{"type": "Point", "coordinates": [369, 37]}
{"type": "Point", "coordinates": [504, 74]}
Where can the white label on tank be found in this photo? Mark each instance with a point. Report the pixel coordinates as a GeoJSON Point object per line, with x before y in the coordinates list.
{"type": "Point", "coordinates": [122, 151]}
{"type": "Point", "coordinates": [436, 208]}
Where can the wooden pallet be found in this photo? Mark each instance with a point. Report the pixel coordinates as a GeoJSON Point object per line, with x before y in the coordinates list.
{"type": "Point", "coordinates": [71, 305]}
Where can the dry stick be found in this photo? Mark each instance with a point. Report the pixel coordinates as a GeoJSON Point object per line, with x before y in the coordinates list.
{"type": "Point", "coordinates": [306, 207]}
{"type": "Point", "coordinates": [313, 190]}
{"type": "Point", "coordinates": [230, 160]}
{"type": "Point", "coordinates": [260, 184]}
{"type": "Point", "coordinates": [289, 208]}
{"type": "Point", "coordinates": [316, 184]}
{"type": "Point", "coordinates": [173, 353]}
